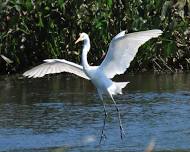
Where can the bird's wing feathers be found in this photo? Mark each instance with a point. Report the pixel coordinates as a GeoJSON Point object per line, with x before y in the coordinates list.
{"type": "Point", "coordinates": [123, 49]}
{"type": "Point", "coordinates": [55, 66]}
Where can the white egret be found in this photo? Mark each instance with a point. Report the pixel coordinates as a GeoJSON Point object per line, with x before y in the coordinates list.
{"type": "Point", "coordinates": [121, 52]}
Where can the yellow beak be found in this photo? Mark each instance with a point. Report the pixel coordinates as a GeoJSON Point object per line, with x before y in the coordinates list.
{"type": "Point", "coordinates": [78, 40]}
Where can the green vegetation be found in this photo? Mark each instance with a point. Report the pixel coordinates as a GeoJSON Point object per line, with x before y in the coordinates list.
{"type": "Point", "coordinates": [31, 31]}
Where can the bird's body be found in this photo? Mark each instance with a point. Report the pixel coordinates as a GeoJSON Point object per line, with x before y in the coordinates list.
{"type": "Point", "coordinates": [121, 52]}
{"type": "Point", "coordinates": [103, 84]}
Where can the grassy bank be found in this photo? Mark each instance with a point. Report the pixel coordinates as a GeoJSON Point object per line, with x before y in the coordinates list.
{"type": "Point", "coordinates": [31, 31]}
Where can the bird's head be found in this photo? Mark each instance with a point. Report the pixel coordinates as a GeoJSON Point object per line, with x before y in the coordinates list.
{"type": "Point", "coordinates": [82, 37]}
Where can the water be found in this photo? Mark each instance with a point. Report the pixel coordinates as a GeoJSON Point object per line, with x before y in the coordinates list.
{"type": "Point", "coordinates": [63, 113]}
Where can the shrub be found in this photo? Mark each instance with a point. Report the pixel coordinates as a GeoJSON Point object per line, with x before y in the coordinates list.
{"type": "Point", "coordinates": [31, 31]}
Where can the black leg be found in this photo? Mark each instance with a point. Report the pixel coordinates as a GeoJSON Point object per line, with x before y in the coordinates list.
{"type": "Point", "coordinates": [103, 136]}
{"type": "Point", "coordinates": [122, 133]}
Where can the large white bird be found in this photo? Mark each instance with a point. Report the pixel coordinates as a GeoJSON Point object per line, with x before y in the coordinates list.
{"type": "Point", "coordinates": [121, 52]}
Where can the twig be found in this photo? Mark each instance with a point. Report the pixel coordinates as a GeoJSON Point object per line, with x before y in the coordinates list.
{"type": "Point", "coordinates": [150, 146]}
{"type": "Point", "coordinates": [7, 60]}
{"type": "Point", "coordinates": [166, 64]}
{"type": "Point", "coordinates": [157, 63]}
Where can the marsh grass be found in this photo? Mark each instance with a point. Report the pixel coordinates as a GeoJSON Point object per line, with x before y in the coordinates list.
{"type": "Point", "coordinates": [31, 31]}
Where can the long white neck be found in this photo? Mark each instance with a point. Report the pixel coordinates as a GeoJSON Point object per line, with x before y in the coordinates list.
{"type": "Point", "coordinates": [86, 48]}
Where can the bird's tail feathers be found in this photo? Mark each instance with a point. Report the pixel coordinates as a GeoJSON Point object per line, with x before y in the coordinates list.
{"type": "Point", "coordinates": [120, 86]}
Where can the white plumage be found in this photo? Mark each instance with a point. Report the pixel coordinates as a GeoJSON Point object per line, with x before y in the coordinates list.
{"type": "Point", "coordinates": [55, 66]}
{"type": "Point", "coordinates": [121, 52]}
{"type": "Point", "coordinates": [123, 49]}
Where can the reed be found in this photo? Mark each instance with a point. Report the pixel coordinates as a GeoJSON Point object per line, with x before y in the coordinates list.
{"type": "Point", "coordinates": [31, 31]}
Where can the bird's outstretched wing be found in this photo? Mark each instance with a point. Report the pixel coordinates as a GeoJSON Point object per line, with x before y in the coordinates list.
{"type": "Point", "coordinates": [123, 49]}
{"type": "Point", "coordinates": [55, 66]}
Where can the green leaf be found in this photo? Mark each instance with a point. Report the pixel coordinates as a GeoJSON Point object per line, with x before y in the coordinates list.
{"type": "Point", "coordinates": [40, 23]}
{"type": "Point", "coordinates": [170, 48]}
{"type": "Point", "coordinates": [29, 5]}
{"type": "Point", "coordinates": [61, 3]}
{"type": "Point", "coordinates": [109, 2]}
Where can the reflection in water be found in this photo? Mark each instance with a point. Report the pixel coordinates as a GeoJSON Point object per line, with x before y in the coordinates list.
{"type": "Point", "coordinates": [62, 113]}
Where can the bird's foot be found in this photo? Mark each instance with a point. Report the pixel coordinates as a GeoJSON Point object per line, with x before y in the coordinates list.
{"type": "Point", "coordinates": [122, 132]}
{"type": "Point", "coordinates": [103, 137]}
